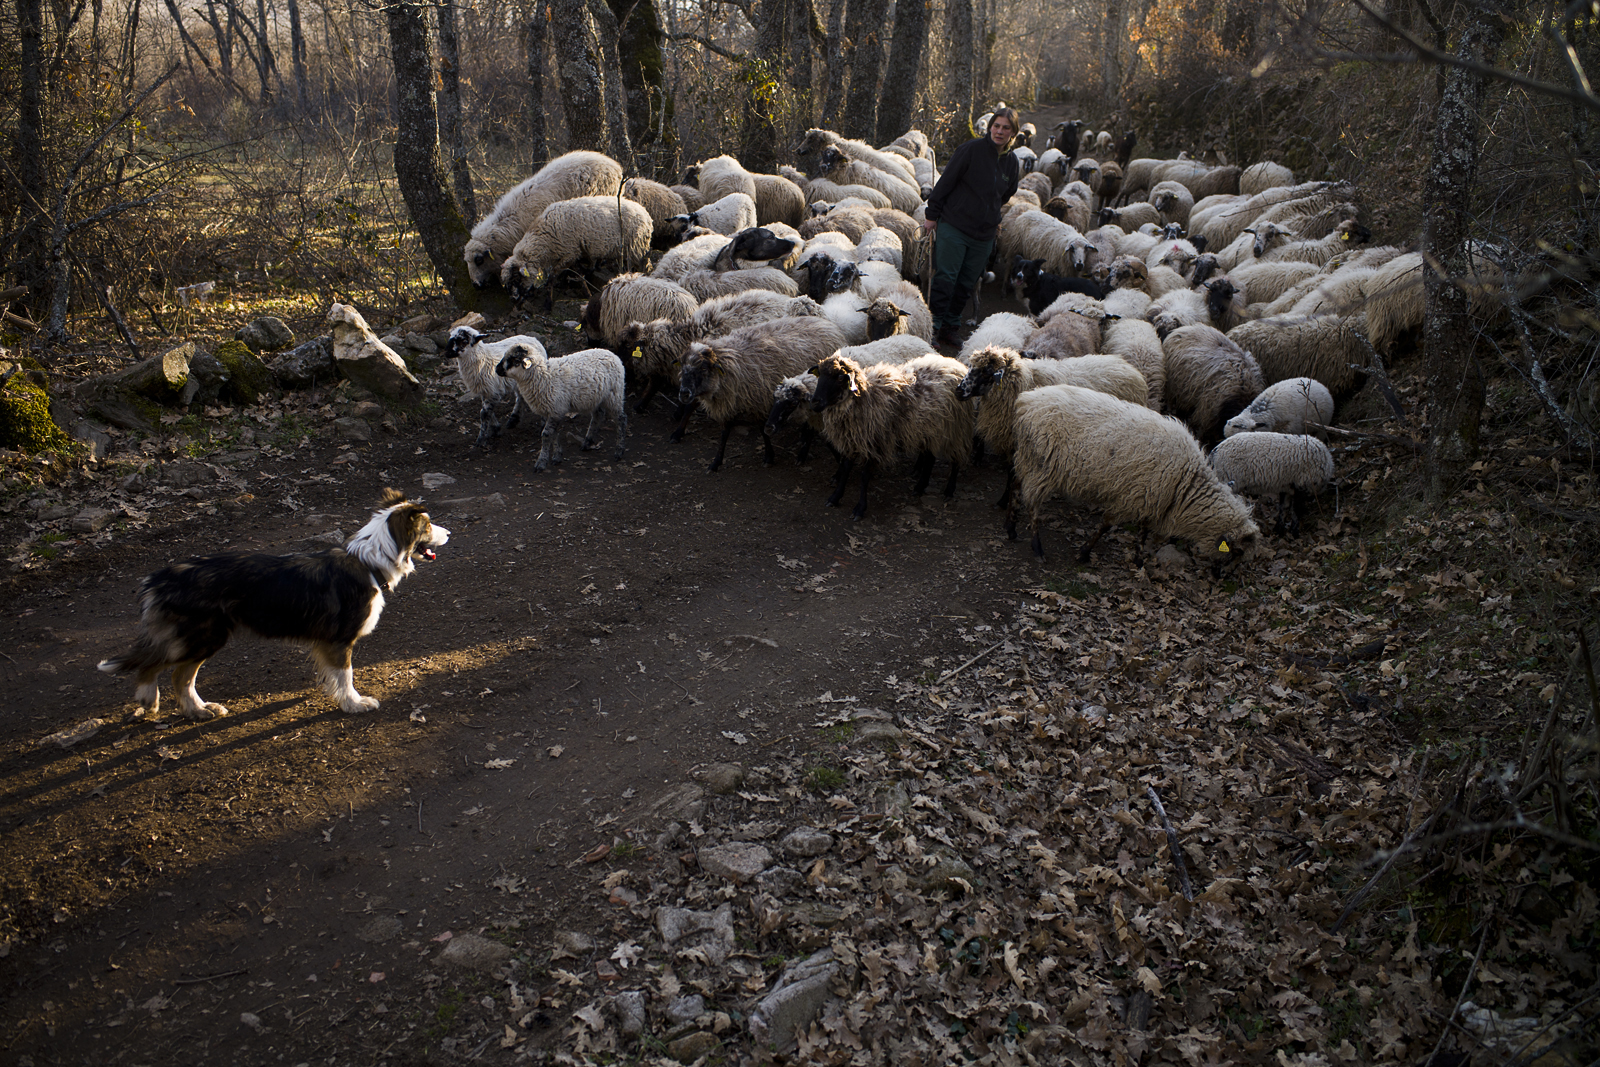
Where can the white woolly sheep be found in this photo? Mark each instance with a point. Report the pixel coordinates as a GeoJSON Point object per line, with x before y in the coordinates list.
{"type": "Point", "coordinates": [1218, 302]}
{"type": "Point", "coordinates": [476, 360]}
{"type": "Point", "coordinates": [1129, 462]}
{"type": "Point", "coordinates": [1002, 329]}
{"type": "Point", "coordinates": [634, 297]}
{"type": "Point", "coordinates": [1338, 293]}
{"type": "Point", "coordinates": [589, 381]}
{"type": "Point", "coordinates": [1309, 198]}
{"type": "Point", "coordinates": [721, 175]}
{"type": "Point", "coordinates": [852, 222]}
{"type": "Point", "coordinates": [882, 246]}
{"type": "Point", "coordinates": [1126, 303]}
{"type": "Point", "coordinates": [1275, 464]}
{"type": "Point", "coordinates": [824, 190]}
{"type": "Point", "coordinates": [1135, 341]}
{"type": "Point", "coordinates": [662, 204]}
{"type": "Point", "coordinates": [696, 254]}
{"type": "Point", "coordinates": [1329, 349]}
{"type": "Point", "coordinates": [1067, 334]}
{"type": "Point", "coordinates": [726, 215]}
{"type": "Point", "coordinates": [514, 214]}
{"type": "Point", "coordinates": [589, 229]}
{"type": "Point", "coordinates": [1289, 406]}
{"type": "Point", "coordinates": [816, 141]}
{"type": "Point", "coordinates": [705, 284]}
{"type": "Point", "coordinates": [839, 167]}
{"type": "Point", "coordinates": [733, 376]}
{"type": "Point", "coordinates": [872, 414]}
{"type": "Point", "coordinates": [1265, 280]}
{"type": "Point", "coordinates": [848, 313]}
{"type": "Point", "coordinates": [1265, 175]}
{"type": "Point", "coordinates": [899, 309]}
{"type": "Point", "coordinates": [1038, 184]}
{"type": "Point", "coordinates": [1210, 378]}
{"type": "Point", "coordinates": [1173, 200]}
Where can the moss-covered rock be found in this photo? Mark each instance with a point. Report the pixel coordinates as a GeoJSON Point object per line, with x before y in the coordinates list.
{"type": "Point", "coordinates": [249, 380]}
{"type": "Point", "coordinates": [25, 422]}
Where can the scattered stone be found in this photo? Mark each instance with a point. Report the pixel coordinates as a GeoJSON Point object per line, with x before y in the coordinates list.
{"type": "Point", "coordinates": [365, 360]}
{"type": "Point", "coordinates": [474, 953]}
{"type": "Point", "coordinates": [381, 928]}
{"type": "Point", "coordinates": [570, 945]}
{"type": "Point", "coordinates": [794, 1001]}
{"type": "Point", "coordinates": [781, 881]}
{"type": "Point", "coordinates": [737, 861]}
{"type": "Point", "coordinates": [806, 841]}
{"type": "Point", "coordinates": [1169, 558]}
{"type": "Point", "coordinates": [943, 875]}
{"type": "Point", "coordinates": [873, 730]}
{"type": "Point", "coordinates": [208, 377]}
{"type": "Point", "coordinates": [686, 1009]}
{"type": "Point", "coordinates": [815, 913]}
{"type": "Point", "coordinates": [683, 804]}
{"type": "Point", "coordinates": [249, 381]}
{"type": "Point", "coordinates": [367, 409]}
{"type": "Point", "coordinates": [472, 319]}
{"type": "Point", "coordinates": [250, 1019]}
{"type": "Point", "coordinates": [629, 1007]}
{"type": "Point", "coordinates": [266, 334]}
{"type": "Point", "coordinates": [305, 365]}
{"type": "Point", "coordinates": [692, 1047]}
{"type": "Point", "coordinates": [92, 520]}
{"type": "Point", "coordinates": [353, 429]}
{"type": "Point", "coordinates": [893, 798]}
{"type": "Point", "coordinates": [721, 778]}
{"type": "Point", "coordinates": [424, 323]}
{"type": "Point", "coordinates": [434, 479]}
{"type": "Point", "coordinates": [420, 343]}
{"type": "Point", "coordinates": [74, 734]}
{"type": "Point", "coordinates": [711, 931]}
{"type": "Point", "coordinates": [184, 473]}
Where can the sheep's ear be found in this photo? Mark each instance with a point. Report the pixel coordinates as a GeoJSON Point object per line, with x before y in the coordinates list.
{"type": "Point", "coordinates": [1250, 230]}
{"type": "Point", "coordinates": [855, 386]}
{"type": "Point", "coordinates": [902, 313]}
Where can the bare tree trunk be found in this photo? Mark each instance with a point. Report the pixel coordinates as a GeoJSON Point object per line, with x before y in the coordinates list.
{"type": "Point", "coordinates": [607, 32]}
{"type": "Point", "coordinates": [297, 56]}
{"type": "Point", "coordinates": [572, 38]}
{"type": "Point", "coordinates": [840, 52]}
{"type": "Point", "coordinates": [449, 104]}
{"type": "Point", "coordinates": [416, 155]}
{"type": "Point", "coordinates": [1455, 385]}
{"type": "Point", "coordinates": [806, 40]}
{"type": "Point", "coordinates": [643, 74]}
{"type": "Point", "coordinates": [1111, 55]}
{"type": "Point", "coordinates": [27, 156]}
{"type": "Point", "coordinates": [264, 60]}
{"type": "Point", "coordinates": [538, 28]}
{"type": "Point", "coordinates": [899, 103]}
{"type": "Point", "coordinates": [958, 84]}
{"type": "Point", "coordinates": [860, 118]}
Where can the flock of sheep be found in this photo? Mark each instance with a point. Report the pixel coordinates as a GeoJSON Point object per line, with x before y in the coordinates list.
{"type": "Point", "coordinates": [1238, 301]}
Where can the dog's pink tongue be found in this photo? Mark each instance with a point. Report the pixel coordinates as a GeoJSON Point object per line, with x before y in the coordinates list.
{"type": "Point", "coordinates": [427, 553]}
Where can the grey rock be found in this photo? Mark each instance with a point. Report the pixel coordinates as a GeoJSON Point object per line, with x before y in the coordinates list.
{"type": "Point", "coordinates": [92, 520]}
{"type": "Point", "coordinates": [353, 429]}
{"type": "Point", "coordinates": [380, 929]}
{"type": "Point", "coordinates": [87, 433]}
{"type": "Point", "coordinates": [873, 730]}
{"type": "Point", "coordinates": [781, 881]}
{"type": "Point", "coordinates": [367, 409]}
{"type": "Point", "coordinates": [571, 944]}
{"type": "Point", "coordinates": [207, 378]}
{"type": "Point", "coordinates": [266, 334]}
{"type": "Point", "coordinates": [711, 931]}
{"type": "Point", "coordinates": [806, 841]}
{"type": "Point", "coordinates": [421, 344]}
{"type": "Point", "coordinates": [184, 473]}
{"type": "Point", "coordinates": [119, 412]}
{"type": "Point", "coordinates": [691, 1047]}
{"type": "Point", "coordinates": [793, 1002]}
{"type": "Point", "coordinates": [815, 913]}
{"type": "Point", "coordinates": [305, 365]}
{"type": "Point", "coordinates": [893, 798]}
{"type": "Point", "coordinates": [629, 1007]}
{"type": "Point", "coordinates": [367, 361]}
{"type": "Point", "coordinates": [473, 953]}
{"type": "Point", "coordinates": [737, 861]}
{"type": "Point", "coordinates": [685, 1009]}
{"type": "Point", "coordinates": [683, 804]}
{"type": "Point", "coordinates": [721, 778]}
{"type": "Point", "coordinates": [943, 875]}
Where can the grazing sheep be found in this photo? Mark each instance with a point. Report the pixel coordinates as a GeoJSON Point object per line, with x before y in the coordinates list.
{"type": "Point", "coordinates": [1287, 406]}
{"type": "Point", "coordinates": [699, 253]}
{"type": "Point", "coordinates": [733, 376]}
{"type": "Point", "coordinates": [662, 204]}
{"type": "Point", "coordinates": [705, 284]}
{"type": "Point", "coordinates": [898, 310]}
{"type": "Point", "coordinates": [838, 166]}
{"type": "Point", "coordinates": [693, 199]}
{"type": "Point", "coordinates": [588, 381]}
{"type": "Point", "coordinates": [1323, 249]}
{"type": "Point", "coordinates": [1329, 349]}
{"type": "Point", "coordinates": [1129, 462]}
{"type": "Point", "coordinates": [571, 175]}
{"type": "Point", "coordinates": [1210, 378]}
{"type": "Point", "coordinates": [727, 215]}
{"type": "Point", "coordinates": [476, 360]}
{"type": "Point", "coordinates": [1135, 341]}
{"type": "Point", "coordinates": [1002, 329]}
{"type": "Point", "coordinates": [634, 297]}
{"type": "Point", "coordinates": [590, 229]}
{"type": "Point", "coordinates": [872, 414]}
{"type": "Point", "coordinates": [1275, 464]}
{"type": "Point", "coordinates": [1265, 280]}
{"type": "Point", "coordinates": [1173, 200]}
{"type": "Point", "coordinates": [1259, 177]}
{"type": "Point", "coordinates": [816, 142]}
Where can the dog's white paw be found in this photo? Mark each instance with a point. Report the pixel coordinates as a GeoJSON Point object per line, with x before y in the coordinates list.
{"type": "Point", "coordinates": [202, 712]}
{"type": "Point", "coordinates": [359, 705]}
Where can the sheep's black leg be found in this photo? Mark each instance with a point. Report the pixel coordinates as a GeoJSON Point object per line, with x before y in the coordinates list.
{"type": "Point", "coordinates": [487, 427]}
{"type": "Point", "coordinates": [861, 505]}
{"type": "Point", "coordinates": [1038, 543]}
{"type": "Point", "coordinates": [1279, 526]}
{"type": "Point", "coordinates": [589, 434]}
{"type": "Point", "coordinates": [977, 450]}
{"type": "Point", "coordinates": [921, 473]}
{"type": "Point", "coordinates": [1011, 482]}
{"type": "Point", "coordinates": [767, 458]}
{"type": "Point", "coordinates": [546, 439]}
{"type": "Point", "coordinates": [1011, 522]}
{"type": "Point", "coordinates": [722, 446]}
{"type": "Point", "coordinates": [622, 431]}
{"type": "Point", "coordinates": [649, 394]}
{"type": "Point", "coordinates": [840, 477]}
{"type": "Point", "coordinates": [1083, 553]}
{"type": "Point", "coordinates": [803, 453]}
{"type": "Point", "coordinates": [682, 415]}
{"type": "Point", "coordinates": [515, 417]}
{"type": "Point", "coordinates": [1138, 552]}
{"type": "Point", "coordinates": [950, 483]}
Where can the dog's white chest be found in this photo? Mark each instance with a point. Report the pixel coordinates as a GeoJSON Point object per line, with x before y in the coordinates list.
{"type": "Point", "coordinates": [373, 612]}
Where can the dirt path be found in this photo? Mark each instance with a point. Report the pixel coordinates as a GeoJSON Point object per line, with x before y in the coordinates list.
{"type": "Point", "coordinates": [606, 629]}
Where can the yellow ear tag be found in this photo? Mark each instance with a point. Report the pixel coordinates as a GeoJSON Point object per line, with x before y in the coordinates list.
{"type": "Point", "coordinates": [1344, 237]}
{"type": "Point", "coordinates": [638, 353]}
{"type": "Point", "coordinates": [578, 328]}
{"type": "Point", "coordinates": [1223, 547]}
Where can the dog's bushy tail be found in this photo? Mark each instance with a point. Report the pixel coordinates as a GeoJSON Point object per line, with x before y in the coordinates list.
{"type": "Point", "coordinates": [144, 655]}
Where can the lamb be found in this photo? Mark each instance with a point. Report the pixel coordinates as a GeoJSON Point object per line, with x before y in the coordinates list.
{"type": "Point", "coordinates": [1262, 176]}
{"type": "Point", "coordinates": [662, 204]}
{"type": "Point", "coordinates": [733, 376]}
{"type": "Point", "coordinates": [1275, 464]}
{"type": "Point", "coordinates": [588, 381]}
{"type": "Point", "coordinates": [633, 297]}
{"type": "Point", "coordinates": [475, 364]}
{"type": "Point", "coordinates": [1218, 302]}
{"type": "Point", "coordinates": [838, 166]}
{"type": "Point", "coordinates": [1287, 406]}
{"type": "Point", "coordinates": [1131, 463]}
{"type": "Point", "coordinates": [872, 414]}
{"type": "Point", "coordinates": [726, 215]}
{"type": "Point", "coordinates": [1173, 200]}
{"type": "Point", "coordinates": [1329, 349]}
{"type": "Point", "coordinates": [899, 310]}
{"type": "Point", "coordinates": [1135, 341]}
{"type": "Point", "coordinates": [1041, 288]}
{"type": "Point", "coordinates": [1067, 333]}
{"type": "Point", "coordinates": [795, 392]}
{"type": "Point", "coordinates": [705, 284]}
{"type": "Point", "coordinates": [589, 228]}
{"type": "Point", "coordinates": [1002, 329]}
{"type": "Point", "coordinates": [779, 200]}
{"type": "Point", "coordinates": [1210, 378]}
{"type": "Point", "coordinates": [571, 175]}
{"type": "Point", "coordinates": [721, 175]}
{"type": "Point", "coordinates": [818, 141]}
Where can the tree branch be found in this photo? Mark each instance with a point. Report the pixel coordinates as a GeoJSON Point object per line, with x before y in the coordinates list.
{"type": "Point", "coordinates": [710, 46]}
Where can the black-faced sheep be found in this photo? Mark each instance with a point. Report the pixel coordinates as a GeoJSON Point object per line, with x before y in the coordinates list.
{"type": "Point", "coordinates": [1041, 288]}
{"type": "Point", "coordinates": [634, 298]}
{"type": "Point", "coordinates": [1293, 405]}
{"type": "Point", "coordinates": [588, 381]}
{"type": "Point", "coordinates": [733, 376]}
{"type": "Point", "coordinates": [1210, 378]}
{"type": "Point", "coordinates": [726, 215]}
{"type": "Point", "coordinates": [476, 360]}
{"type": "Point", "coordinates": [795, 392]}
{"type": "Point", "coordinates": [589, 229]}
{"type": "Point", "coordinates": [1218, 303]}
{"type": "Point", "coordinates": [662, 204]}
{"type": "Point", "coordinates": [1130, 463]}
{"type": "Point", "coordinates": [496, 235]}
{"type": "Point", "coordinates": [1275, 465]}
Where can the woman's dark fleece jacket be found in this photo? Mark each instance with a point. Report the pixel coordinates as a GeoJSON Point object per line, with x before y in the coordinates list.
{"type": "Point", "coordinates": [974, 187]}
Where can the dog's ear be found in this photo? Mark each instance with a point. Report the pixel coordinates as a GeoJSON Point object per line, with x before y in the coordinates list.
{"type": "Point", "coordinates": [391, 497]}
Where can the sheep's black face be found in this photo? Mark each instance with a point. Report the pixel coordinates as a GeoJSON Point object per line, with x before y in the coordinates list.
{"type": "Point", "coordinates": [832, 384]}
{"type": "Point", "coordinates": [782, 407]}
{"type": "Point", "coordinates": [516, 358]}
{"type": "Point", "coordinates": [760, 245]}
{"type": "Point", "coordinates": [1204, 268]}
{"type": "Point", "coordinates": [1219, 294]}
{"type": "Point", "coordinates": [978, 382]}
{"type": "Point", "coordinates": [694, 380]}
{"type": "Point", "coordinates": [842, 277]}
{"type": "Point", "coordinates": [1171, 231]}
{"type": "Point", "coordinates": [818, 267]}
{"type": "Point", "coordinates": [1107, 216]}
{"type": "Point", "coordinates": [461, 339]}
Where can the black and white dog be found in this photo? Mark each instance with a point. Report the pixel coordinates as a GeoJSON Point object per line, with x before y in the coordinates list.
{"type": "Point", "coordinates": [327, 600]}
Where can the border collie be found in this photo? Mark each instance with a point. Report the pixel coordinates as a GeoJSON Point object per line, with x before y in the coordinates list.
{"type": "Point", "coordinates": [326, 600]}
